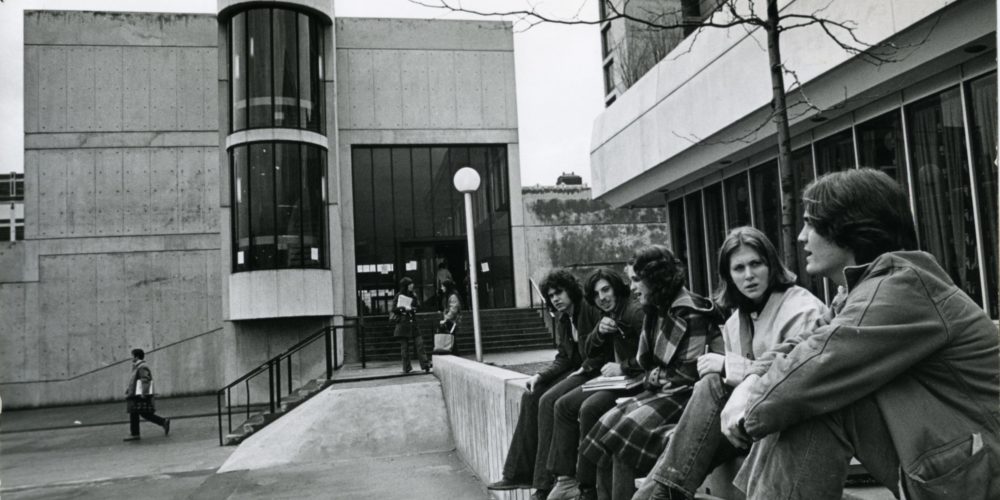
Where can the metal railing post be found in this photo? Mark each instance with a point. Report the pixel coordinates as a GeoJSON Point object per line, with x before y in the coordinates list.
{"type": "Point", "coordinates": [289, 375]}
{"type": "Point", "coordinates": [277, 383]}
{"type": "Point", "coordinates": [270, 384]}
{"type": "Point", "coordinates": [329, 359]}
{"type": "Point", "coordinates": [218, 405]}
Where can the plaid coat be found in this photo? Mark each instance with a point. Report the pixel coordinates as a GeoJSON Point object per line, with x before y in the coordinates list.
{"type": "Point", "coordinates": [637, 430]}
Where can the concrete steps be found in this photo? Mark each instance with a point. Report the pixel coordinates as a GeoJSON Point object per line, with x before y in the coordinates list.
{"type": "Point", "coordinates": [262, 419]}
{"type": "Point", "coordinates": [503, 330]}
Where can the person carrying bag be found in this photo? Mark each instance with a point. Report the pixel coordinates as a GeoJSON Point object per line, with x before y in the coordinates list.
{"type": "Point", "coordinates": [451, 311]}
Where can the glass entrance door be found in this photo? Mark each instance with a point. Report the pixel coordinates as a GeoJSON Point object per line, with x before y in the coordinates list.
{"type": "Point", "coordinates": [426, 263]}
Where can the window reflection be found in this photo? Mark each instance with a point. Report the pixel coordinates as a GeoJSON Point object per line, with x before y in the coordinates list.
{"type": "Point", "coordinates": [696, 244]}
{"type": "Point", "coordinates": [276, 70]}
{"type": "Point", "coordinates": [737, 201]}
{"type": "Point", "coordinates": [942, 188]}
{"type": "Point", "coordinates": [835, 153]}
{"type": "Point", "coordinates": [278, 206]}
{"type": "Point", "coordinates": [715, 230]}
{"type": "Point", "coordinates": [982, 94]}
{"type": "Point", "coordinates": [880, 145]}
{"type": "Point", "coordinates": [767, 201]}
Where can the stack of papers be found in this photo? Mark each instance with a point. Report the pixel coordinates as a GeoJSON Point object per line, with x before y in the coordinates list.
{"type": "Point", "coordinates": [619, 382]}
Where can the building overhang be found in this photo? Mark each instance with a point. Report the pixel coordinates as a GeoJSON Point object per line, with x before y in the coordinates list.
{"type": "Point", "coordinates": [705, 108]}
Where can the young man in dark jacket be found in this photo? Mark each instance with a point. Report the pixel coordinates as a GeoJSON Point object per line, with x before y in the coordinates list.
{"type": "Point", "coordinates": [905, 377]}
{"type": "Point", "coordinates": [527, 456]}
{"type": "Point", "coordinates": [139, 397]}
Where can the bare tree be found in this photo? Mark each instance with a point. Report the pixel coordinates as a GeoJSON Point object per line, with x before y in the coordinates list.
{"type": "Point", "coordinates": [728, 14]}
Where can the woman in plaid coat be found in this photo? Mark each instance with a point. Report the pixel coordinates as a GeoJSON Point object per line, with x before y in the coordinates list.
{"type": "Point", "coordinates": [679, 327]}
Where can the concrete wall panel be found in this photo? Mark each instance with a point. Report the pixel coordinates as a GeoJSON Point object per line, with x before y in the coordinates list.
{"type": "Point", "coordinates": [109, 196]}
{"type": "Point", "coordinates": [136, 94]}
{"type": "Point", "coordinates": [493, 74]}
{"type": "Point", "coordinates": [52, 193]}
{"type": "Point", "coordinates": [441, 68]}
{"type": "Point", "coordinates": [469, 89]}
{"type": "Point", "coordinates": [163, 192]}
{"type": "Point", "coordinates": [32, 87]}
{"type": "Point", "coordinates": [12, 330]}
{"type": "Point", "coordinates": [416, 89]}
{"type": "Point", "coordinates": [190, 76]}
{"type": "Point", "coordinates": [163, 97]}
{"type": "Point", "coordinates": [109, 78]}
{"type": "Point", "coordinates": [80, 103]}
{"type": "Point", "coordinates": [388, 89]}
{"type": "Point", "coordinates": [361, 89]}
{"type": "Point", "coordinates": [52, 89]}
{"type": "Point", "coordinates": [80, 188]}
{"type": "Point", "coordinates": [135, 182]}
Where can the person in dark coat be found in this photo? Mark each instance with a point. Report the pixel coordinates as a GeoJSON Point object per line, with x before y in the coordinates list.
{"type": "Point", "coordinates": [139, 397]}
{"type": "Point", "coordinates": [527, 457]}
{"type": "Point", "coordinates": [405, 317]}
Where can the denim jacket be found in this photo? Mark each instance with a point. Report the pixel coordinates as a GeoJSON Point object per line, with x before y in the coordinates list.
{"type": "Point", "coordinates": [928, 354]}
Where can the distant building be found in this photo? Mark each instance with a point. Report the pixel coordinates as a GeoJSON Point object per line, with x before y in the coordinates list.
{"type": "Point", "coordinates": [570, 179]}
{"type": "Point", "coordinates": [690, 133]}
{"type": "Point", "coordinates": [11, 207]}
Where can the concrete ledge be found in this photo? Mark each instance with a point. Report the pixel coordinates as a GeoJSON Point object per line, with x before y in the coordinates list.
{"type": "Point", "coordinates": [483, 403]}
{"type": "Point", "coordinates": [280, 293]}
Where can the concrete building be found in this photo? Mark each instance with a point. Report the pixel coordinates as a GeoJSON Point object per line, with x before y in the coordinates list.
{"type": "Point", "coordinates": [215, 188]}
{"type": "Point", "coordinates": [689, 132]}
{"type": "Point", "coordinates": [11, 206]}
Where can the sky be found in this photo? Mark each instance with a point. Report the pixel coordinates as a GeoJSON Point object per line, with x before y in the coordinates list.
{"type": "Point", "coordinates": [558, 72]}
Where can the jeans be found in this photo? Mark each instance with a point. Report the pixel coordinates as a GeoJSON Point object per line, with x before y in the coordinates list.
{"type": "Point", "coordinates": [528, 454]}
{"type": "Point", "coordinates": [809, 460]}
{"type": "Point", "coordinates": [697, 445]}
{"type": "Point", "coordinates": [404, 351]}
{"type": "Point", "coordinates": [133, 421]}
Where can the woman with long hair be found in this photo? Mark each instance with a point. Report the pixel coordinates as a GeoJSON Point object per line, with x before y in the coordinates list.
{"type": "Point", "coordinates": [768, 308]}
{"type": "Point", "coordinates": [404, 314]}
{"type": "Point", "coordinates": [450, 306]}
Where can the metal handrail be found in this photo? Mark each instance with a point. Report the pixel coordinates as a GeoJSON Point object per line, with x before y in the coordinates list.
{"type": "Point", "coordinates": [273, 369]}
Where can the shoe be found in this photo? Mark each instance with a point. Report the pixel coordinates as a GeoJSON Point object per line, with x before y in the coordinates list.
{"type": "Point", "coordinates": [540, 495]}
{"type": "Point", "coordinates": [566, 488]}
{"type": "Point", "coordinates": [587, 493]}
{"type": "Point", "coordinates": [508, 484]}
{"type": "Point", "coordinates": [131, 438]}
{"type": "Point", "coordinates": [408, 369]}
{"type": "Point", "coordinates": [166, 427]}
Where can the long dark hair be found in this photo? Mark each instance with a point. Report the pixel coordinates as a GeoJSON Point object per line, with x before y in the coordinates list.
{"type": "Point", "coordinates": [561, 280]}
{"type": "Point", "coordinates": [727, 294]}
{"type": "Point", "coordinates": [662, 272]}
{"type": "Point", "coordinates": [404, 286]}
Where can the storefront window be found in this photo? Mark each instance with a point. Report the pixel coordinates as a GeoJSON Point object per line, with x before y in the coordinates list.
{"type": "Point", "coordinates": [696, 244]}
{"type": "Point", "coordinates": [715, 230]}
{"type": "Point", "coordinates": [942, 188]}
{"type": "Point", "coordinates": [880, 146]}
{"type": "Point", "coordinates": [767, 201]}
{"type": "Point", "coordinates": [276, 70]}
{"type": "Point", "coordinates": [409, 219]}
{"type": "Point", "coordinates": [737, 193]}
{"type": "Point", "coordinates": [835, 153]}
{"type": "Point", "coordinates": [982, 97]}
{"type": "Point", "coordinates": [278, 206]}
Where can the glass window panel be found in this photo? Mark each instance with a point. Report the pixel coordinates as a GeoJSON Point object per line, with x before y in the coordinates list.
{"type": "Point", "coordinates": [4, 232]}
{"type": "Point", "coordinates": [737, 193]}
{"type": "Point", "coordinates": [696, 244]}
{"type": "Point", "coordinates": [678, 231]}
{"type": "Point", "coordinates": [286, 86]}
{"type": "Point", "coordinates": [982, 94]}
{"type": "Point", "coordinates": [259, 67]}
{"type": "Point", "coordinates": [835, 153]}
{"type": "Point", "coordinates": [443, 212]}
{"type": "Point", "coordinates": [482, 197]}
{"type": "Point", "coordinates": [880, 145]}
{"type": "Point", "coordinates": [767, 201]}
{"type": "Point", "coordinates": [459, 158]}
{"type": "Point", "coordinates": [262, 234]}
{"type": "Point", "coordinates": [402, 192]}
{"type": "Point", "coordinates": [941, 186]}
{"type": "Point", "coordinates": [314, 207]}
{"type": "Point", "coordinates": [715, 229]}
{"type": "Point", "coordinates": [288, 205]}
{"type": "Point", "coordinates": [19, 233]}
{"type": "Point", "coordinates": [423, 193]}
{"type": "Point", "coordinates": [237, 42]}
{"type": "Point", "coordinates": [364, 210]}
{"type": "Point", "coordinates": [241, 209]}
{"type": "Point", "coordinates": [385, 250]}
{"type": "Point", "coordinates": [310, 76]}
{"type": "Point", "coordinates": [802, 175]}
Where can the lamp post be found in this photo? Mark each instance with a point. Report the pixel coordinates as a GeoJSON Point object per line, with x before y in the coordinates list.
{"type": "Point", "coordinates": [466, 182]}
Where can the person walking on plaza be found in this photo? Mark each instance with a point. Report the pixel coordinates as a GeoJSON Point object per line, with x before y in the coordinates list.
{"type": "Point", "coordinates": [614, 342]}
{"type": "Point", "coordinates": [768, 308]}
{"type": "Point", "coordinates": [451, 311]}
{"type": "Point", "coordinates": [139, 397]}
{"type": "Point", "coordinates": [905, 377]}
{"type": "Point", "coordinates": [679, 328]}
{"type": "Point", "coordinates": [404, 314]}
{"type": "Point", "coordinates": [527, 457]}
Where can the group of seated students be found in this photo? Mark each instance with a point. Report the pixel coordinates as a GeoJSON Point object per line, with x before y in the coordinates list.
{"type": "Point", "coordinates": [901, 371]}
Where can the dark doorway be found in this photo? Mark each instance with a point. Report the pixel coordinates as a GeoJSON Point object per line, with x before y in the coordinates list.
{"type": "Point", "coordinates": [420, 262]}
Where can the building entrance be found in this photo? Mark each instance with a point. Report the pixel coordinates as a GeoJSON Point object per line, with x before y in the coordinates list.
{"type": "Point", "coordinates": [422, 262]}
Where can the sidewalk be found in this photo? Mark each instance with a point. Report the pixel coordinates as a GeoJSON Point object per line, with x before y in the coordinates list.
{"type": "Point", "coordinates": [77, 451]}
